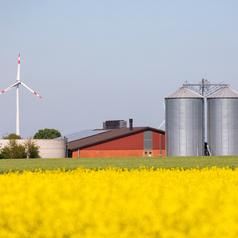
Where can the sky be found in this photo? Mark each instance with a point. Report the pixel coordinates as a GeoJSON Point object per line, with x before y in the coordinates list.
{"type": "Point", "coordinates": [93, 61]}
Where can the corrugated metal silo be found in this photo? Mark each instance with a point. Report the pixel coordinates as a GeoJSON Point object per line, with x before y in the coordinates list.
{"type": "Point", "coordinates": [222, 122]}
{"type": "Point", "coordinates": [184, 126]}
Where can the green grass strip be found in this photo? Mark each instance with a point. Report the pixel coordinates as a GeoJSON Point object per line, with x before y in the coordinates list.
{"type": "Point", "coordinates": [130, 163]}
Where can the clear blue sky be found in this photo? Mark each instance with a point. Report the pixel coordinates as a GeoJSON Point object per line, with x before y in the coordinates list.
{"type": "Point", "coordinates": [93, 61]}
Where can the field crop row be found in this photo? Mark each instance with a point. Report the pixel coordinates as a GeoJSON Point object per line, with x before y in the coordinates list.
{"type": "Point", "coordinates": [114, 203]}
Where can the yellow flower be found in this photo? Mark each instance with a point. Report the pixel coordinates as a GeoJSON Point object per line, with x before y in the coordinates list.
{"type": "Point", "coordinates": [115, 202]}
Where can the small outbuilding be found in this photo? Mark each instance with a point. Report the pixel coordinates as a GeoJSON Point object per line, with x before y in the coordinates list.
{"type": "Point", "coordinates": [117, 142]}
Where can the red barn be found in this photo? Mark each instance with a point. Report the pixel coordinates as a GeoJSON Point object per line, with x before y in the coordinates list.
{"type": "Point", "coordinates": [123, 142]}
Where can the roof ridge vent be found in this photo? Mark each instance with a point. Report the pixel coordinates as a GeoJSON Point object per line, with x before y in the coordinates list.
{"type": "Point", "coordinates": [114, 124]}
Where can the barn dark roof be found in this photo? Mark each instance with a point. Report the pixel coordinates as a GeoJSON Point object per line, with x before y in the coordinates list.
{"type": "Point", "coordinates": [83, 134]}
{"type": "Point", "coordinates": [107, 136]}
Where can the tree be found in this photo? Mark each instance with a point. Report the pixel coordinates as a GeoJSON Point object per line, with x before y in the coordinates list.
{"type": "Point", "coordinates": [13, 150]}
{"type": "Point", "coordinates": [4, 153]}
{"type": "Point", "coordinates": [11, 136]}
{"type": "Point", "coordinates": [47, 134]}
{"type": "Point", "coordinates": [31, 149]}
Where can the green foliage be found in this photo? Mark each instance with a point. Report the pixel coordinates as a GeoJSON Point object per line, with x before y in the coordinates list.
{"type": "Point", "coordinates": [32, 150]}
{"type": "Point", "coordinates": [47, 134]}
{"type": "Point", "coordinates": [4, 153]}
{"type": "Point", "coordinates": [11, 136]}
{"type": "Point", "coordinates": [13, 150]}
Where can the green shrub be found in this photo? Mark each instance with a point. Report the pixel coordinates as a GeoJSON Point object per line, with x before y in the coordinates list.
{"type": "Point", "coordinates": [13, 150]}
{"type": "Point", "coordinates": [32, 150]}
{"type": "Point", "coordinates": [5, 153]}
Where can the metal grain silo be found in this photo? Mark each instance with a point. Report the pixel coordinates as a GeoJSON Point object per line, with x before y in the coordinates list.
{"type": "Point", "coordinates": [222, 122]}
{"type": "Point", "coordinates": [184, 123]}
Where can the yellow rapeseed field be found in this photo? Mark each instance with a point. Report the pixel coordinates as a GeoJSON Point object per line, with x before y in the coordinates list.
{"type": "Point", "coordinates": [120, 203]}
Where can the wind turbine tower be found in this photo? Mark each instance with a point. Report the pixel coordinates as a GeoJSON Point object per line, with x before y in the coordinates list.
{"type": "Point", "coordinates": [18, 82]}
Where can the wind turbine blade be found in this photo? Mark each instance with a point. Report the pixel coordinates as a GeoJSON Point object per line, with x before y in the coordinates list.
{"type": "Point", "coordinates": [18, 69]}
{"type": "Point", "coordinates": [164, 119]}
{"type": "Point", "coordinates": [161, 124]}
{"type": "Point", "coordinates": [15, 84]}
{"type": "Point", "coordinates": [30, 89]}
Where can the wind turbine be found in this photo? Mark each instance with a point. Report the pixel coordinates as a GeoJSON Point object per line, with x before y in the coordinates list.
{"type": "Point", "coordinates": [163, 121]}
{"type": "Point", "coordinates": [18, 82]}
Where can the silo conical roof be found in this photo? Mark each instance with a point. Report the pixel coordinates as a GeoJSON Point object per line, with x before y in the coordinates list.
{"type": "Point", "coordinates": [225, 92]}
{"type": "Point", "coordinates": [184, 92]}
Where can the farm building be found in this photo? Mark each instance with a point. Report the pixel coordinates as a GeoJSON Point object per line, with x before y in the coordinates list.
{"type": "Point", "coordinates": [117, 140]}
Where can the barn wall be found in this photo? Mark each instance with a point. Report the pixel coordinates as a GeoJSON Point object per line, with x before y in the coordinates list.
{"type": "Point", "coordinates": [132, 142]}
{"type": "Point", "coordinates": [109, 153]}
{"type": "Point", "coordinates": [113, 153]}
{"type": "Point", "coordinates": [156, 142]}
{"type": "Point", "coordinates": [156, 153]}
{"type": "Point", "coordinates": [75, 154]}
